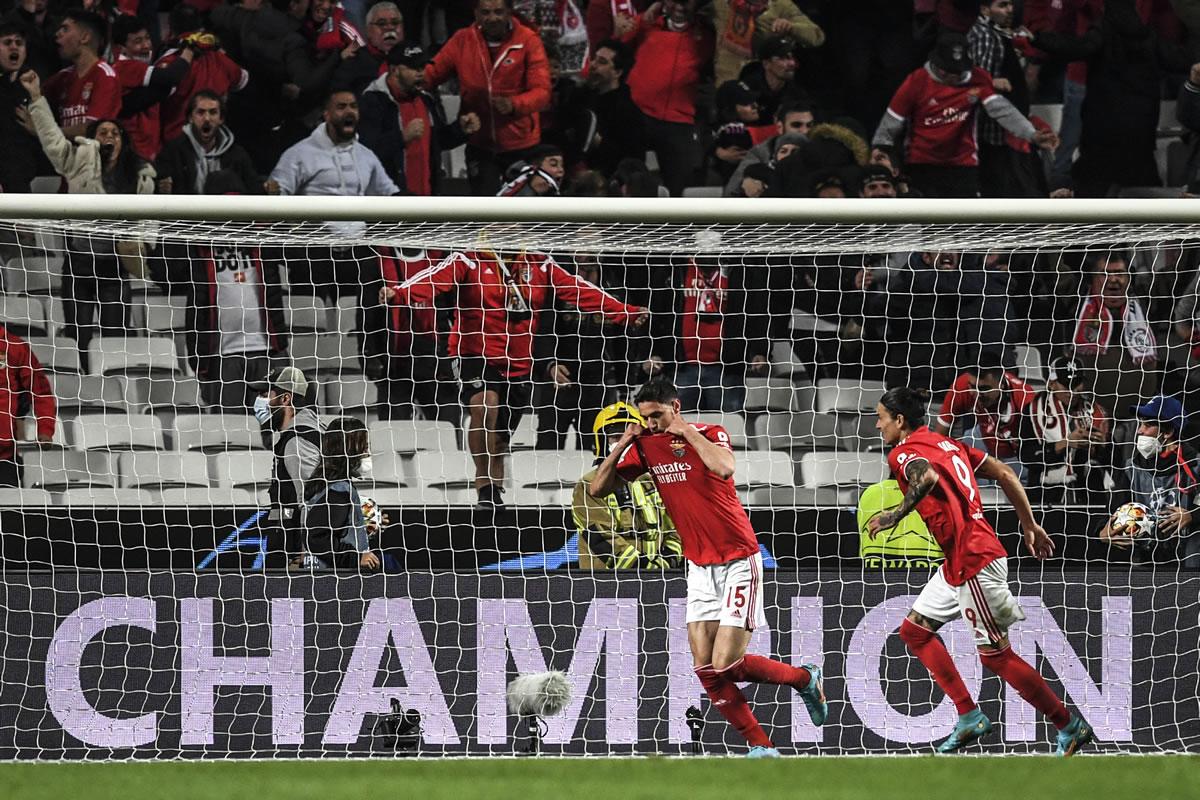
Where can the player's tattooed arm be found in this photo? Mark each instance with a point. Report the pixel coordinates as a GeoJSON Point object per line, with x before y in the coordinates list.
{"type": "Point", "coordinates": [921, 480]}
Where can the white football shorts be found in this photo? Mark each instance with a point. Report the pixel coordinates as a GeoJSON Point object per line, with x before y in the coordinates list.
{"type": "Point", "coordinates": [730, 593]}
{"type": "Point", "coordinates": [984, 601]}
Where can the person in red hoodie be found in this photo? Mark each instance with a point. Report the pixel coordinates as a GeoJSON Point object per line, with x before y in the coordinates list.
{"type": "Point", "coordinates": [500, 299]}
{"type": "Point", "coordinates": [673, 56]}
{"type": "Point", "coordinates": [23, 388]}
{"type": "Point", "coordinates": [504, 78]}
{"type": "Point", "coordinates": [211, 69]}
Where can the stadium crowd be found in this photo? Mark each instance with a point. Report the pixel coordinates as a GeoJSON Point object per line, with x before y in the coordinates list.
{"type": "Point", "coordinates": [871, 98]}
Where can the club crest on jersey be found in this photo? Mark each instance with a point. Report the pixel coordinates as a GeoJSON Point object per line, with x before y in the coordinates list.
{"type": "Point", "coordinates": [87, 91]}
{"type": "Point", "coordinates": [678, 447]}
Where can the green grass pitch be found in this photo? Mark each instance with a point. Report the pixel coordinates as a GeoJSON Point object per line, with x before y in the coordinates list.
{"type": "Point", "coordinates": [821, 778]}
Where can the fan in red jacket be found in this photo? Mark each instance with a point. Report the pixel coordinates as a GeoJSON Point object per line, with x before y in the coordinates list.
{"type": "Point", "coordinates": [211, 69]}
{"type": "Point", "coordinates": [500, 299]}
{"type": "Point", "coordinates": [23, 388]}
{"type": "Point", "coordinates": [504, 78]}
{"type": "Point", "coordinates": [673, 57]}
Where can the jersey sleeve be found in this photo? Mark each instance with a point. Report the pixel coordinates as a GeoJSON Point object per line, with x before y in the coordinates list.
{"type": "Point", "coordinates": [631, 465]}
{"type": "Point", "coordinates": [982, 81]}
{"type": "Point", "coordinates": [958, 401]}
{"type": "Point", "coordinates": [975, 456]}
{"type": "Point", "coordinates": [718, 436]}
{"type": "Point", "coordinates": [904, 100]}
{"type": "Point", "coordinates": [901, 457]}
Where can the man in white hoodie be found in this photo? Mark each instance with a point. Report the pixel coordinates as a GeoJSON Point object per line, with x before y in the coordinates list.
{"type": "Point", "coordinates": [332, 161]}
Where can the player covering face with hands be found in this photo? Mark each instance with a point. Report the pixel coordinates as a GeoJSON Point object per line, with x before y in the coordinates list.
{"type": "Point", "coordinates": [692, 464]}
{"type": "Point", "coordinates": [937, 475]}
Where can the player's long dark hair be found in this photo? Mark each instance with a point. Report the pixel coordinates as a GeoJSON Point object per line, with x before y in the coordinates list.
{"type": "Point", "coordinates": [907, 403]}
{"type": "Point", "coordinates": [343, 446]}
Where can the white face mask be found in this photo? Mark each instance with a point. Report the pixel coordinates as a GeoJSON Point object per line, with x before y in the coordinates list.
{"type": "Point", "coordinates": [262, 409]}
{"type": "Point", "coordinates": [365, 467]}
{"type": "Point", "coordinates": [1148, 446]}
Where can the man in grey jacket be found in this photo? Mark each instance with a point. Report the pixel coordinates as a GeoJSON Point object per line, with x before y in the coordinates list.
{"type": "Point", "coordinates": [793, 117]}
{"type": "Point", "coordinates": [292, 429]}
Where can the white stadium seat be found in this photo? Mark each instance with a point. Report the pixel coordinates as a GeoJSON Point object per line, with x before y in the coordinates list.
{"type": "Point", "coordinates": [217, 432]}
{"type": "Point", "coordinates": [14, 498]}
{"type": "Point", "coordinates": [115, 432]}
{"type": "Point", "coordinates": [847, 396]}
{"type": "Point", "coordinates": [25, 316]}
{"type": "Point", "coordinates": [164, 314]}
{"type": "Point", "coordinates": [841, 469]}
{"type": "Point", "coordinates": [120, 354]}
{"type": "Point", "coordinates": [770, 394]}
{"type": "Point", "coordinates": [412, 435]}
{"type": "Point", "coordinates": [87, 394]}
{"type": "Point", "coordinates": [166, 470]}
{"type": "Point", "coordinates": [242, 470]}
{"type": "Point", "coordinates": [199, 496]}
{"type": "Point", "coordinates": [56, 355]}
{"type": "Point", "coordinates": [344, 396]}
{"type": "Point", "coordinates": [305, 313]}
{"type": "Point", "coordinates": [444, 469]}
{"type": "Point", "coordinates": [548, 469]}
{"type": "Point", "coordinates": [393, 499]}
{"type": "Point", "coordinates": [57, 470]}
{"type": "Point", "coordinates": [104, 497]}
{"type": "Point", "coordinates": [769, 468]}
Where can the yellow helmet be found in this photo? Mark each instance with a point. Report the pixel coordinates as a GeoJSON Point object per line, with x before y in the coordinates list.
{"type": "Point", "coordinates": [616, 414]}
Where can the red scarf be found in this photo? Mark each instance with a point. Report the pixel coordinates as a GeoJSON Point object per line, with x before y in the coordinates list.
{"type": "Point", "coordinates": [336, 33]}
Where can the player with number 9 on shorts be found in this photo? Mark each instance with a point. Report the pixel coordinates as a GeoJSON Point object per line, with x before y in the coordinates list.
{"type": "Point", "coordinates": [692, 465]}
{"type": "Point", "coordinates": [937, 476]}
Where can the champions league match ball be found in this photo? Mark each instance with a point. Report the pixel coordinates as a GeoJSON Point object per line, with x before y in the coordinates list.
{"type": "Point", "coordinates": [1134, 520]}
{"type": "Point", "coordinates": [372, 513]}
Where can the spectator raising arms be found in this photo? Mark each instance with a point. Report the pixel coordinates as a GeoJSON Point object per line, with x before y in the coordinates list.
{"type": "Point", "coordinates": [500, 298]}
{"type": "Point", "coordinates": [673, 50]}
{"type": "Point", "coordinates": [938, 105]}
{"type": "Point", "coordinates": [504, 79]}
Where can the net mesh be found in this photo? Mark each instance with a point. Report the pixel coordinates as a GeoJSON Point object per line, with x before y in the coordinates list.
{"type": "Point", "coordinates": [164, 596]}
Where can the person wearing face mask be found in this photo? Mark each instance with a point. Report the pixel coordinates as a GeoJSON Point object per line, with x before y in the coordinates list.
{"type": "Point", "coordinates": [630, 527]}
{"type": "Point", "coordinates": [1066, 437]}
{"type": "Point", "coordinates": [292, 430]}
{"type": "Point", "coordinates": [337, 536]}
{"type": "Point", "coordinates": [1161, 474]}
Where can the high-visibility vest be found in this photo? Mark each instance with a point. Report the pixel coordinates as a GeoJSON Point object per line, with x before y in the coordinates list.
{"type": "Point", "coordinates": [909, 544]}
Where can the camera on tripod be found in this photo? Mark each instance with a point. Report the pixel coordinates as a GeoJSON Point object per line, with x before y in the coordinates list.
{"type": "Point", "coordinates": [399, 731]}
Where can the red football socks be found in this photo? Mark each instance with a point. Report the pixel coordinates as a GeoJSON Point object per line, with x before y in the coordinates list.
{"type": "Point", "coordinates": [729, 700]}
{"type": "Point", "coordinates": [926, 646]}
{"type": "Point", "coordinates": [1018, 674]}
{"type": "Point", "coordinates": [759, 669]}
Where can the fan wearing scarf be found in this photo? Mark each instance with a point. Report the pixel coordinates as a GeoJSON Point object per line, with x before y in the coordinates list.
{"type": "Point", "coordinates": [1112, 336]}
{"type": "Point", "coordinates": [1066, 438]}
{"type": "Point", "coordinates": [1162, 474]}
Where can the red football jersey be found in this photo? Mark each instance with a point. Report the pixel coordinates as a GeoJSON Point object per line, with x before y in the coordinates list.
{"type": "Point", "coordinates": [703, 315]}
{"type": "Point", "coordinates": [80, 99]}
{"type": "Point", "coordinates": [952, 511]}
{"type": "Point", "coordinates": [998, 426]}
{"type": "Point", "coordinates": [706, 510]}
{"type": "Point", "coordinates": [941, 118]}
{"type": "Point", "coordinates": [212, 70]}
{"type": "Point", "coordinates": [142, 127]}
{"type": "Point", "coordinates": [500, 302]}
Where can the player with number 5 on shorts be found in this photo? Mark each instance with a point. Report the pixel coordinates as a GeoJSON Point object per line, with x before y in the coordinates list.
{"type": "Point", "coordinates": [937, 475]}
{"type": "Point", "coordinates": [692, 465]}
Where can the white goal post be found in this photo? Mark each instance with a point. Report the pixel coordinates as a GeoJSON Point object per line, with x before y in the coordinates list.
{"type": "Point", "coordinates": [144, 618]}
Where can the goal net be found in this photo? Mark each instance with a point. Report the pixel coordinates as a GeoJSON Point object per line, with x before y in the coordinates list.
{"type": "Point", "coordinates": [164, 596]}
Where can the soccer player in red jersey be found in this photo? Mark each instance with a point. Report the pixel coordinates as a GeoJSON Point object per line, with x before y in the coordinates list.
{"type": "Point", "coordinates": [692, 465]}
{"type": "Point", "coordinates": [937, 475]}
